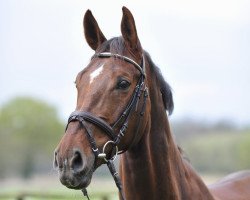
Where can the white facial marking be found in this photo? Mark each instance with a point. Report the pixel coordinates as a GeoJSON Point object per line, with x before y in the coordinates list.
{"type": "Point", "coordinates": [96, 73]}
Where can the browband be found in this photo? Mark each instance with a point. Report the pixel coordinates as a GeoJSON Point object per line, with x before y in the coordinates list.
{"type": "Point", "coordinates": [108, 54]}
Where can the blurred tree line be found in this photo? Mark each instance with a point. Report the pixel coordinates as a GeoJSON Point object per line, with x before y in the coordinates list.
{"type": "Point", "coordinates": [219, 147]}
{"type": "Point", "coordinates": [29, 131]}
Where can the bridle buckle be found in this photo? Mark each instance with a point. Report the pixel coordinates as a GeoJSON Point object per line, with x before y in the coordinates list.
{"type": "Point", "coordinates": [103, 155]}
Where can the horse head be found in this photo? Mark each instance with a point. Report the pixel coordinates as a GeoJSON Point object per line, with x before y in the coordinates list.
{"type": "Point", "coordinates": [112, 107]}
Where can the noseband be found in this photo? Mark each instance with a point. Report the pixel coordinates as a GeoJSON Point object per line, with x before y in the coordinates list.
{"type": "Point", "coordinates": [115, 138]}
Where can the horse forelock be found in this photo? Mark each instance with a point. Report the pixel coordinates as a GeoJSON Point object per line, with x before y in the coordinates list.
{"type": "Point", "coordinates": [115, 45]}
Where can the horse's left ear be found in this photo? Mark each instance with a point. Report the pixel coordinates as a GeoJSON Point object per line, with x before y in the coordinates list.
{"type": "Point", "coordinates": [129, 33]}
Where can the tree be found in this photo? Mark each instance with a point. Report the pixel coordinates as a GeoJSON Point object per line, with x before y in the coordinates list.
{"type": "Point", "coordinates": [29, 131]}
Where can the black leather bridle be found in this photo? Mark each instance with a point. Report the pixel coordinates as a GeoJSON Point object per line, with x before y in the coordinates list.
{"type": "Point", "coordinates": [115, 138]}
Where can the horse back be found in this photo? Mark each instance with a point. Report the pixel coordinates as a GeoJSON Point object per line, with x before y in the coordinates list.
{"type": "Point", "coordinates": [235, 186]}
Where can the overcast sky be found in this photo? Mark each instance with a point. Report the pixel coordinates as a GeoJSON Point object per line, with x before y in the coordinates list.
{"type": "Point", "coordinates": [202, 48]}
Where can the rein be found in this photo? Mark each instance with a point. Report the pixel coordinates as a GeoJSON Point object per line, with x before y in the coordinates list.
{"type": "Point", "coordinates": [115, 138]}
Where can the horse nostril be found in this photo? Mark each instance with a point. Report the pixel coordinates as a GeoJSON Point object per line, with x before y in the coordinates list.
{"type": "Point", "coordinates": [77, 161]}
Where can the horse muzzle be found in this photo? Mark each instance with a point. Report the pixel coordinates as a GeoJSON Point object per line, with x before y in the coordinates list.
{"type": "Point", "coordinates": [75, 171]}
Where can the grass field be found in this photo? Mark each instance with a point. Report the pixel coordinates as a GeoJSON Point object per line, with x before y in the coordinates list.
{"type": "Point", "coordinates": [49, 188]}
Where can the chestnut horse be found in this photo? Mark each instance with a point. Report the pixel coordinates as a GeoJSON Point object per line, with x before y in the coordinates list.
{"type": "Point", "coordinates": [122, 103]}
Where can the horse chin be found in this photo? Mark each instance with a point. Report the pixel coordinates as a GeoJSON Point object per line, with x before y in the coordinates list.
{"type": "Point", "coordinates": [76, 181]}
{"type": "Point", "coordinates": [75, 178]}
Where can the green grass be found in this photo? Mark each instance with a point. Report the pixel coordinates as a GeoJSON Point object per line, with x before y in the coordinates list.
{"type": "Point", "coordinates": [47, 188]}
{"type": "Point", "coordinates": [55, 195]}
{"type": "Point", "coordinates": [97, 190]}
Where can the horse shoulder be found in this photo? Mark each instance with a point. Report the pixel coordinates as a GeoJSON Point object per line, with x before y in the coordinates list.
{"type": "Point", "coordinates": [232, 187]}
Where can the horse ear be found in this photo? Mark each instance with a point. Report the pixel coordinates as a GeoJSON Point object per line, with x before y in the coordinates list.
{"type": "Point", "coordinates": [93, 33]}
{"type": "Point", "coordinates": [129, 32]}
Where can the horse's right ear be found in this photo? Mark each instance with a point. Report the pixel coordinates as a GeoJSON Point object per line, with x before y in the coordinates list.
{"type": "Point", "coordinates": [93, 33]}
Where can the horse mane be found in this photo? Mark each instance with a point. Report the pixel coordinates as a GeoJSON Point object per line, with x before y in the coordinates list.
{"type": "Point", "coordinates": [165, 88]}
{"type": "Point", "coordinates": [117, 45]}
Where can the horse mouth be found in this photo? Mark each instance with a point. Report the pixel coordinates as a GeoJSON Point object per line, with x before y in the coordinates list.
{"type": "Point", "coordinates": [76, 181]}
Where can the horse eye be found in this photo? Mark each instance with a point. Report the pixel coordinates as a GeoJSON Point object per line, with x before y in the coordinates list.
{"type": "Point", "coordinates": [123, 85]}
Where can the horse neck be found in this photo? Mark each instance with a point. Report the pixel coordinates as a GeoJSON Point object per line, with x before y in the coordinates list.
{"type": "Point", "coordinates": [154, 168]}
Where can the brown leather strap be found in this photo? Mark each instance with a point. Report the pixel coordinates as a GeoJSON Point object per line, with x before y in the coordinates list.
{"type": "Point", "coordinates": [94, 120]}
